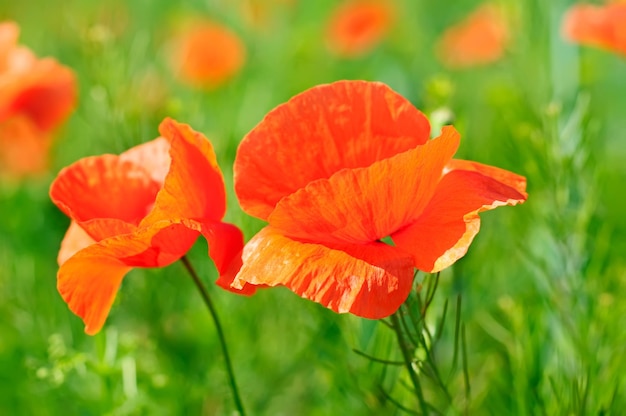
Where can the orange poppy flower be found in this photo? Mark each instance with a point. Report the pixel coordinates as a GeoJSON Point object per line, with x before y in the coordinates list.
{"type": "Point", "coordinates": [357, 26]}
{"type": "Point", "coordinates": [143, 208]}
{"type": "Point", "coordinates": [207, 54]}
{"type": "Point", "coordinates": [36, 95]}
{"type": "Point", "coordinates": [479, 39]}
{"type": "Point", "coordinates": [339, 168]}
{"type": "Point", "coordinates": [600, 26]}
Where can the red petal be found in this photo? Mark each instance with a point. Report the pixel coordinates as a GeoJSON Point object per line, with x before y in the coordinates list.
{"type": "Point", "coordinates": [504, 176]}
{"type": "Point", "coordinates": [367, 204]}
{"type": "Point", "coordinates": [347, 124]}
{"type": "Point", "coordinates": [194, 186]}
{"type": "Point", "coordinates": [225, 243]}
{"type": "Point", "coordinates": [357, 26]}
{"type": "Point", "coordinates": [370, 280]}
{"type": "Point", "coordinates": [106, 195]}
{"type": "Point", "coordinates": [48, 94]}
{"type": "Point", "coordinates": [445, 230]}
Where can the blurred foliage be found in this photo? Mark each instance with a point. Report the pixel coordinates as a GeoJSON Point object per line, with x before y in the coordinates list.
{"type": "Point", "coordinates": [541, 285]}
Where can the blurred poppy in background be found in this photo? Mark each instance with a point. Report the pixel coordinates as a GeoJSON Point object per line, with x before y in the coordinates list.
{"type": "Point", "coordinates": [36, 96]}
{"type": "Point", "coordinates": [336, 171]}
{"type": "Point", "coordinates": [479, 39]}
{"type": "Point", "coordinates": [143, 208]}
{"type": "Point", "coordinates": [600, 26]}
{"type": "Point", "coordinates": [358, 26]}
{"type": "Point", "coordinates": [206, 54]}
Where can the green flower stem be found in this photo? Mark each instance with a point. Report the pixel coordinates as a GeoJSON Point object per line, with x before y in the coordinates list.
{"type": "Point", "coordinates": [220, 333]}
{"type": "Point", "coordinates": [408, 361]}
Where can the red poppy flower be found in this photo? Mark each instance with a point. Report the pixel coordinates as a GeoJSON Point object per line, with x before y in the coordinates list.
{"type": "Point", "coordinates": [207, 54]}
{"type": "Point", "coordinates": [357, 26]}
{"type": "Point", "coordinates": [36, 95]}
{"type": "Point", "coordinates": [600, 26]}
{"type": "Point", "coordinates": [143, 208]}
{"type": "Point", "coordinates": [477, 40]}
{"type": "Point", "coordinates": [339, 168]}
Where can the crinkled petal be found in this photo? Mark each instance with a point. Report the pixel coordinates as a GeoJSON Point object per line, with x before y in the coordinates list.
{"type": "Point", "coordinates": [370, 280]}
{"type": "Point", "coordinates": [347, 124]}
{"type": "Point", "coordinates": [108, 196]}
{"type": "Point", "coordinates": [153, 156]}
{"type": "Point", "coordinates": [364, 205]}
{"type": "Point", "coordinates": [194, 186]}
{"type": "Point", "coordinates": [449, 223]}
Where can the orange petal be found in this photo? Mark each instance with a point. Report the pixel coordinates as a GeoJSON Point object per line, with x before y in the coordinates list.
{"type": "Point", "coordinates": [207, 54]}
{"type": "Point", "coordinates": [370, 280]}
{"type": "Point", "coordinates": [479, 39]}
{"type": "Point", "coordinates": [23, 147]}
{"type": "Point", "coordinates": [194, 186]}
{"type": "Point", "coordinates": [347, 124]}
{"type": "Point", "coordinates": [108, 196]}
{"type": "Point", "coordinates": [600, 26]}
{"type": "Point", "coordinates": [88, 282]}
{"type": "Point", "coordinates": [367, 204]}
{"type": "Point", "coordinates": [75, 240]}
{"type": "Point", "coordinates": [447, 227]}
{"type": "Point", "coordinates": [153, 156]}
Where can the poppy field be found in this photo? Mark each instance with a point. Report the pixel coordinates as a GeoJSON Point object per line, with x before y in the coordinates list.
{"type": "Point", "coordinates": [290, 207]}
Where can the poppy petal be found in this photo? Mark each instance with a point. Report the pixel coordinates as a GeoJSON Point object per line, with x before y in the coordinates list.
{"type": "Point", "coordinates": [357, 26]}
{"type": "Point", "coordinates": [600, 26]}
{"type": "Point", "coordinates": [449, 223]}
{"type": "Point", "coordinates": [88, 282]}
{"type": "Point", "coordinates": [480, 38]}
{"type": "Point", "coordinates": [48, 94]}
{"type": "Point", "coordinates": [347, 124]}
{"type": "Point", "coordinates": [23, 147]}
{"type": "Point", "coordinates": [194, 186]}
{"type": "Point", "coordinates": [108, 196]}
{"type": "Point", "coordinates": [76, 239]}
{"type": "Point", "coordinates": [153, 156]}
{"type": "Point", "coordinates": [504, 176]}
{"type": "Point", "coordinates": [370, 280]}
{"type": "Point", "coordinates": [367, 204]}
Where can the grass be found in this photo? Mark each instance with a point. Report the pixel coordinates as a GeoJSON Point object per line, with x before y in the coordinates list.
{"type": "Point", "coordinates": [539, 329]}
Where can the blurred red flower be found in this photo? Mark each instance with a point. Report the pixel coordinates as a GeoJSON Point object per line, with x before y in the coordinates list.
{"type": "Point", "coordinates": [342, 166]}
{"type": "Point", "coordinates": [36, 96]}
{"type": "Point", "coordinates": [207, 54]}
{"type": "Point", "coordinates": [479, 39]}
{"type": "Point", "coordinates": [599, 26]}
{"type": "Point", "coordinates": [357, 26]}
{"type": "Point", "coordinates": [143, 208]}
